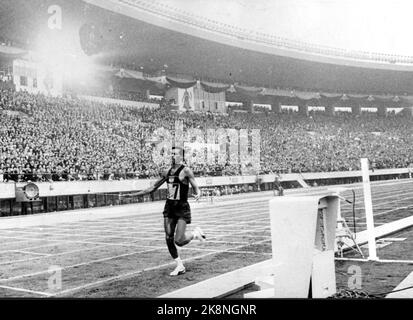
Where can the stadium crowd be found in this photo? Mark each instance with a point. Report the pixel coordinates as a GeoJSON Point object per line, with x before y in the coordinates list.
{"type": "Point", "coordinates": [64, 138]}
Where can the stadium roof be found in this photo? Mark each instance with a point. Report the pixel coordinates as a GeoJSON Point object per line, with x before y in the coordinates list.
{"type": "Point", "coordinates": [152, 37]}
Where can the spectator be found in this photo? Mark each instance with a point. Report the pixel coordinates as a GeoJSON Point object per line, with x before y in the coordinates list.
{"type": "Point", "coordinates": [62, 138]}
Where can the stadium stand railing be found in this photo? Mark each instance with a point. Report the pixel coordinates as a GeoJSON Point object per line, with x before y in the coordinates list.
{"type": "Point", "coordinates": [191, 19]}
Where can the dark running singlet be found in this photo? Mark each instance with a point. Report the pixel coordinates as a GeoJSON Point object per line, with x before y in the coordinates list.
{"type": "Point", "coordinates": [176, 190]}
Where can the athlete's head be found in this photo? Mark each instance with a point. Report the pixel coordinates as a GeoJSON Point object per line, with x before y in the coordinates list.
{"type": "Point", "coordinates": [177, 155]}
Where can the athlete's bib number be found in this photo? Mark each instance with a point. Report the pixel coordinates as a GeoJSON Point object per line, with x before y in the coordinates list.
{"type": "Point", "coordinates": [173, 191]}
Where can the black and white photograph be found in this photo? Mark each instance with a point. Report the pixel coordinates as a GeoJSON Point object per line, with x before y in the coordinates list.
{"type": "Point", "coordinates": [223, 150]}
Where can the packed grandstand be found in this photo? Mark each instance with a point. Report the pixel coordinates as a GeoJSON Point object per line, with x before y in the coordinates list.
{"type": "Point", "coordinates": [47, 138]}
{"type": "Point", "coordinates": [66, 137]}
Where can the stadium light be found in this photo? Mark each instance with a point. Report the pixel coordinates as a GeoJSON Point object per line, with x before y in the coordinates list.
{"type": "Point", "coordinates": [62, 54]}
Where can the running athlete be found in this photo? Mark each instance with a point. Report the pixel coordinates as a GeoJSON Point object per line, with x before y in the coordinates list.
{"type": "Point", "coordinates": [177, 213]}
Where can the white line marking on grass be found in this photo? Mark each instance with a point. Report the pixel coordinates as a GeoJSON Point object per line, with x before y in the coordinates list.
{"type": "Point", "coordinates": [387, 211]}
{"type": "Point", "coordinates": [85, 241]}
{"type": "Point", "coordinates": [255, 204]}
{"type": "Point", "coordinates": [27, 291]}
{"type": "Point", "coordinates": [230, 250]}
{"type": "Point", "coordinates": [237, 236]}
{"type": "Point", "coordinates": [29, 239]}
{"type": "Point", "coordinates": [379, 195]}
{"type": "Point", "coordinates": [51, 255]}
{"type": "Point", "coordinates": [230, 219]}
{"type": "Point", "coordinates": [77, 265]}
{"type": "Point", "coordinates": [134, 273]}
{"type": "Point", "coordinates": [208, 240]}
{"type": "Point", "coordinates": [380, 260]}
{"type": "Point", "coordinates": [377, 204]}
{"type": "Point", "coordinates": [103, 245]}
{"type": "Point", "coordinates": [358, 185]}
{"type": "Point", "coordinates": [115, 229]}
{"type": "Point", "coordinates": [90, 240]}
{"type": "Point", "coordinates": [351, 259]}
{"type": "Point", "coordinates": [234, 209]}
{"type": "Point", "coordinates": [223, 241]}
{"type": "Point", "coordinates": [28, 248]}
{"type": "Point", "coordinates": [229, 229]}
{"type": "Point", "coordinates": [95, 235]}
{"type": "Point", "coordinates": [16, 243]}
{"type": "Point", "coordinates": [114, 236]}
{"type": "Point", "coordinates": [209, 249]}
{"type": "Point", "coordinates": [34, 253]}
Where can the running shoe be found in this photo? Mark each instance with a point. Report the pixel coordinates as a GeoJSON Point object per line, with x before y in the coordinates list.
{"type": "Point", "coordinates": [180, 269]}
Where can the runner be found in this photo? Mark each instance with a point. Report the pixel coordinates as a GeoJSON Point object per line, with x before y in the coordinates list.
{"type": "Point", "coordinates": [177, 212]}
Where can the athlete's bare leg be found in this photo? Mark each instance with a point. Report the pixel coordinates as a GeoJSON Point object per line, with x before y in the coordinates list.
{"type": "Point", "coordinates": [170, 225]}
{"type": "Point", "coordinates": [181, 237]}
{"type": "Point", "coordinates": [175, 235]}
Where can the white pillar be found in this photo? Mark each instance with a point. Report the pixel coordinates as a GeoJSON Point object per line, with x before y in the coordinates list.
{"type": "Point", "coordinates": [369, 209]}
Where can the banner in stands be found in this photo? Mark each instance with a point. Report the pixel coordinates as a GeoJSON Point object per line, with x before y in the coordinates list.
{"type": "Point", "coordinates": [279, 95]}
{"type": "Point", "coordinates": [186, 99]}
{"type": "Point", "coordinates": [180, 83]}
{"type": "Point", "coordinates": [209, 101]}
{"type": "Point", "coordinates": [25, 75]}
{"type": "Point", "coordinates": [213, 87]}
{"type": "Point", "coordinates": [36, 77]}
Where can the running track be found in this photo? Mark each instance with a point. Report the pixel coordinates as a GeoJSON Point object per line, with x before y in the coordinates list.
{"type": "Point", "coordinates": [98, 251]}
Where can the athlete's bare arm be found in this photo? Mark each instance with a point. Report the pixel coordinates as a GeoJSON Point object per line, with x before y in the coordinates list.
{"type": "Point", "coordinates": [192, 181]}
{"type": "Point", "coordinates": [152, 188]}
